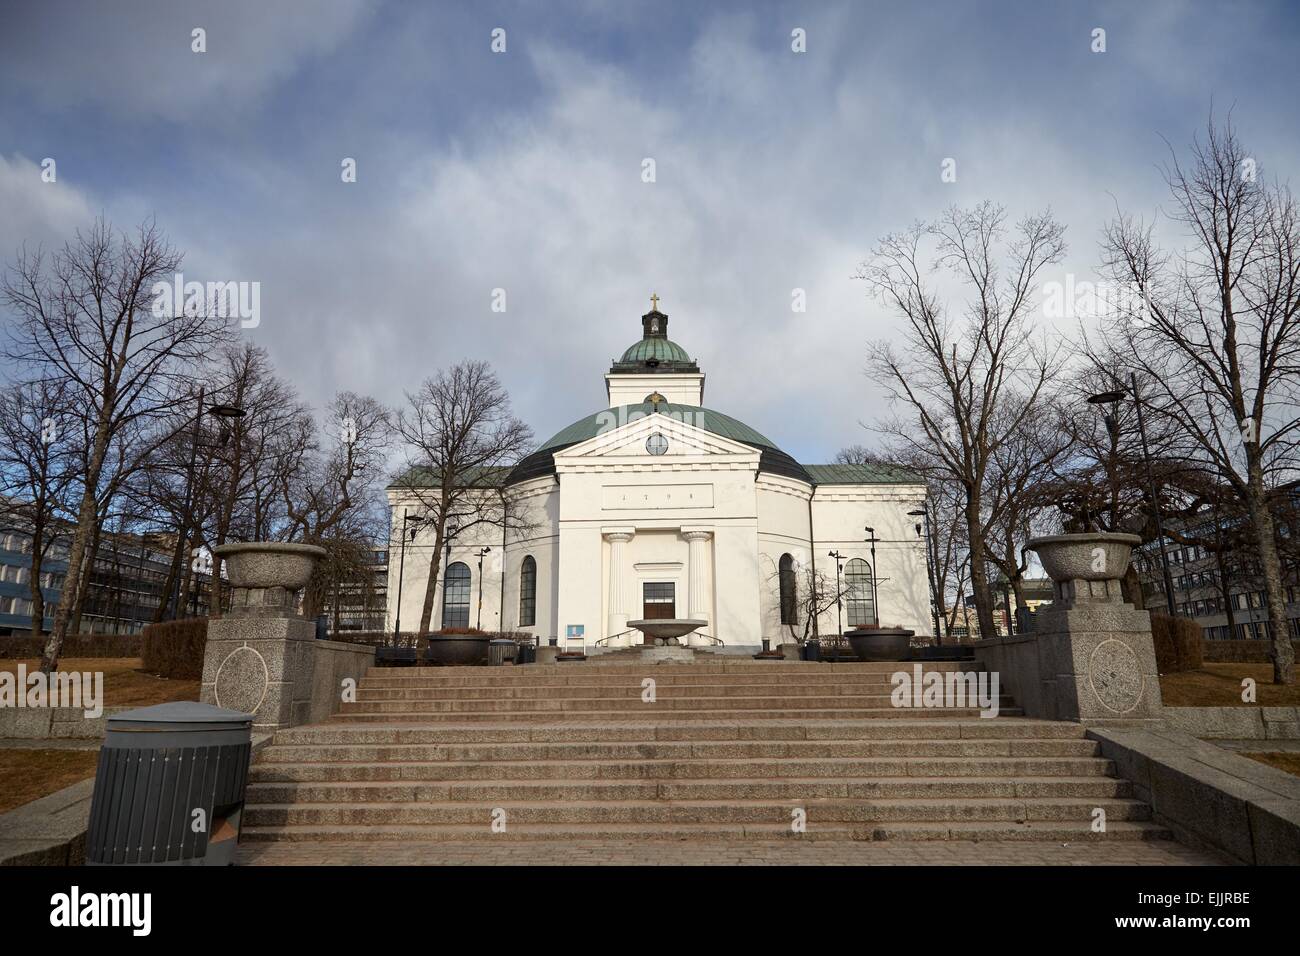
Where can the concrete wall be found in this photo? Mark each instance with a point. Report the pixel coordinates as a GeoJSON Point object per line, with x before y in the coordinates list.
{"type": "Point", "coordinates": [45, 723]}
{"type": "Point", "coordinates": [1236, 723]}
{"type": "Point", "coordinates": [1209, 797]}
{"type": "Point", "coordinates": [335, 662]}
{"type": "Point", "coordinates": [1020, 671]}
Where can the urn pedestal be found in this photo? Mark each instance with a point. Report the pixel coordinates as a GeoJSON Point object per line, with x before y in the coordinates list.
{"type": "Point", "coordinates": [1096, 656]}
{"type": "Point", "coordinates": [259, 657]}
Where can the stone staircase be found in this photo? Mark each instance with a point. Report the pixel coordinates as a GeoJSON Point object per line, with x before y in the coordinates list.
{"type": "Point", "coordinates": [730, 750]}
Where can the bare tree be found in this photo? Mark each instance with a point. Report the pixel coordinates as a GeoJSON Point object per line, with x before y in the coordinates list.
{"type": "Point", "coordinates": [37, 468]}
{"type": "Point", "coordinates": [333, 499]}
{"type": "Point", "coordinates": [1019, 488]}
{"type": "Point", "coordinates": [87, 319]}
{"type": "Point", "coordinates": [807, 595]}
{"type": "Point", "coordinates": [955, 376]}
{"type": "Point", "coordinates": [462, 439]}
{"type": "Point", "coordinates": [1214, 334]}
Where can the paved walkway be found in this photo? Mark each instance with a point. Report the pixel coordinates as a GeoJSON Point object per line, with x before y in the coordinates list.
{"type": "Point", "coordinates": [821, 853]}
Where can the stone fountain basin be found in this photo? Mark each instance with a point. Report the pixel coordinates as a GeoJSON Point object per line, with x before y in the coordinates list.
{"type": "Point", "coordinates": [1087, 556]}
{"type": "Point", "coordinates": [666, 629]}
{"type": "Point", "coordinates": [269, 564]}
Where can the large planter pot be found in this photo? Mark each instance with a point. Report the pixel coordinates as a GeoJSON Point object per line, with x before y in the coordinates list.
{"type": "Point", "coordinates": [458, 650]}
{"type": "Point", "coordinates": [1087, 556]}
{"type": "Point", "coordinates": [881, 643]}
{"type": "Point", "coordinates": [269, 564]}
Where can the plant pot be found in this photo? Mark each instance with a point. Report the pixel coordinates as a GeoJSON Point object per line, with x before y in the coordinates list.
{"type": "Point", "coordinates": [789, 652]}
{"type": "Point", "coordinates": [881, 643]}
{"type": "Point", "coordinates": [457, 650]}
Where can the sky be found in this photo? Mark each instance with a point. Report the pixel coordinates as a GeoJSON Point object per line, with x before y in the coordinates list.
{"type": "Point", "coordinates": [523, 170]}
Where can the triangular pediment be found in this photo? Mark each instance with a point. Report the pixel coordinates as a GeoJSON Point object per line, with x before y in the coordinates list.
{"type": "Point", "coordinates": [634, 441]}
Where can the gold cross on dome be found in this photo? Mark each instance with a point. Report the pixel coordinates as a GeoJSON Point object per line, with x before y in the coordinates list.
{"type": "Point", "coordinates": [654, 302]}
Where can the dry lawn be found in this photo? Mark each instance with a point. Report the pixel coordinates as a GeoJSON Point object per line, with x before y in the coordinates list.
{"type": "Point", "coordinates": [1219, 685]}
{"type": "Point", "coordinates": [26, 775]}
{"type": "Point", "coordinates": [1288, 761]}
{"type": "Point", "coordinates": [126, 684]}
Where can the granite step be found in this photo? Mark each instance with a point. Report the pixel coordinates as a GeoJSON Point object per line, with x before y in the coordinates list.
{"type": "Point", "coordinates": [677, 750]}
{"type": "Point", "coordinates": [674, 714]}
{"type": "Point", "coordinates": [265, 770]}
{"type": "Point", "coordinates": [1058, 832]}
{"type": "Point", "coordinates": [643, 732]}
{"type": "Point", "coordinates": [1091, 788]}
{"type": "Point", "coordinates": [733, 810]}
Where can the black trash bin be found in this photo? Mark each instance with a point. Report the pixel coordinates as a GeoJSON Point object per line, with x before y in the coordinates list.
{"type": "Point", "coordinates": [157, 767]}
{"type": "Point", "coordinates": [527, 652]}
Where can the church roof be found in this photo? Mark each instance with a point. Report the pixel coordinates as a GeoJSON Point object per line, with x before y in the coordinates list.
{"type": "Point", "coordinates": [771, 458]}
{"type": "Point", "coordinates": [862, 475]}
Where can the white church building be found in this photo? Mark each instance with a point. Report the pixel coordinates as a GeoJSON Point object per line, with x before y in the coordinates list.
{"type": "Point", "coordinates": [657, 506]}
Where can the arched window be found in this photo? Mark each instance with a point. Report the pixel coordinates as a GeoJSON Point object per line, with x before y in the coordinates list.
{"type": "Point", "coordinates": [528, 592]}
{"type": "Point", "coordinates": [786, 577]}
{"type": "Point", "coordinates": [455, 596]}
{"type": "Point", "coordinates": [858, 598]}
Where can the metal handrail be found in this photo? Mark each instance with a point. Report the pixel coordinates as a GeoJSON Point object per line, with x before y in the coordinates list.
{"type": "Point", "coordinates": [716, 640]}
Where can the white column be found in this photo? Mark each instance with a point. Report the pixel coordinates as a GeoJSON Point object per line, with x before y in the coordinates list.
{"type": "Point", "coordinates": [618, 615]}
{"type": "Point", "coordinates": [697, 571]}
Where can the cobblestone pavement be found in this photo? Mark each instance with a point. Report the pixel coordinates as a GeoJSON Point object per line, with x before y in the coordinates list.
{"type": "Point", "coordinates": [822, 853]}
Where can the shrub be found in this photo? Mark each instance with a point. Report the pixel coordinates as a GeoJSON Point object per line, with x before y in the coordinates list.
{"type": "Point", "coordinates": [1178, 643]}
{"type": "Point", "coordinates": [24, 646]}
{"type": "Point", "coordinates": [175, 648]}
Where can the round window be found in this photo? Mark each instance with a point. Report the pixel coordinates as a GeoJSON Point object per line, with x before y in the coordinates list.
{"type": "Point", "coordinates": [656, 444]}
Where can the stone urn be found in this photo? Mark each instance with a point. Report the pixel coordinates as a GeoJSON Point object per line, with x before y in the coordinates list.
{"type": "Point", "coordinates": [1085, 567]}
{"type": "Point", "coordinates": [266, 576]}
{"type": "Point", "coordinates": [881, 643]}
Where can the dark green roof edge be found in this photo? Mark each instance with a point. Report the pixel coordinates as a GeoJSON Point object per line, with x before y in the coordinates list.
{"type": "Point", "coordinates": [862, 475]}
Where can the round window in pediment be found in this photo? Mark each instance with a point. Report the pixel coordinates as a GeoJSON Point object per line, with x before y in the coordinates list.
{"type": "Point", "coordinates": [656, 444]}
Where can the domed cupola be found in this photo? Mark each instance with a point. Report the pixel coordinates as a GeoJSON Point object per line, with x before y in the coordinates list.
{"type": "Point", "coordinates": [655, 353]}
{"type": "Point", "coordinates": [655, 363]}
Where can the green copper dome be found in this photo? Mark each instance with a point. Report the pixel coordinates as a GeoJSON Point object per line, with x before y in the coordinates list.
{"type": "Point", "coordinates": [659, 350]}
{"type": "Point", "coordinates": [655, 352]}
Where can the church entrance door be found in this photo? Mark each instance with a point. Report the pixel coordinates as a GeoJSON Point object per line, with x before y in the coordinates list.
{"type": "Point", "coordinates": [658, 600]}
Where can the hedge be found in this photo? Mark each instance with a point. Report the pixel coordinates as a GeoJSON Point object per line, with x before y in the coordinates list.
{"type": "Point", "coordinates": [175, 648]}
{"type": "Point", "coordinates": [1178, 643]}
{"type": "Point", "coordinates": [24, 646]}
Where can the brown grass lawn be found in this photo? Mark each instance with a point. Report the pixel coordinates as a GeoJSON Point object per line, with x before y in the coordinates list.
{"type": "Point", "coordinates": [1219, 685]}
{"type": "Point", "coordinates": [1288, 761]}
{"type": "Point", "coordinates": [26, 775]}
{"type": "Point", "coordinates": [126, 683]}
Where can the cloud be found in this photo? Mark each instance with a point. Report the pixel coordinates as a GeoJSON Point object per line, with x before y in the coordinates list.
{"type": "Point", "coordinates": [775, 171]}
{"type": "Point", "coordinates": [37, 212]}
{"type": "Point", "coordinates": [135, 59]}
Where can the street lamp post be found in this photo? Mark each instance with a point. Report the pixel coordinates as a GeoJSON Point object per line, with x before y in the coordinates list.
{"type": "Point", "coordinates": [479, 622]}
{"type": "Point", "coordinates": [839, 594]}
{"type": "Point", "coordinates": [924, 513]}
{"type": "Point", "coordinates": [1112, 399]}
{"type": "Point", "coordinates": [875, 605]}
{"type": "Point", "coordinates": [401, 571]}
